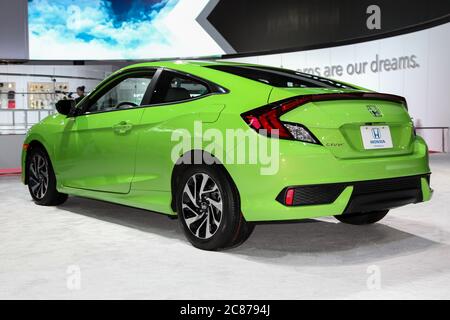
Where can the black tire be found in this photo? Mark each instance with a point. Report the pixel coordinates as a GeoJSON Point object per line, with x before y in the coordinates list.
{"type": "Point", "coordinates": [42, 180]}
{"type": "Point", "coordinates": [245, 231]}
{"type": "Point", "coordinates": [231, 229]}
{"type": "Point", "coordinates": [362, 218]}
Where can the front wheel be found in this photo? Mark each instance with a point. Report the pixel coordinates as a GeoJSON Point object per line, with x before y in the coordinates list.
{"type": "Point", "coordinates": [208, 208]}
{"type": "Point", "coordinates": [42, 179]}
{"type": "Point", "coordinates": [362, 218]}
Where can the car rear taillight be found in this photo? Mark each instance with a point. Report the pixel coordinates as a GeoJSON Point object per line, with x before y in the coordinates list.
{"type": "Point", "coordinates": [266, 120]}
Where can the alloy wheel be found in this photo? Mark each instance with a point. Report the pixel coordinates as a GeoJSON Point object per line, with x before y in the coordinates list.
{"type": "Point", "coordinates": [38, 176]}
{"type": "Point", "coordinates": [202, 205]}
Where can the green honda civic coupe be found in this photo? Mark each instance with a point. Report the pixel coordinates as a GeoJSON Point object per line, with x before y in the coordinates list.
{"type": "Point", "coordinates": [222, 146]}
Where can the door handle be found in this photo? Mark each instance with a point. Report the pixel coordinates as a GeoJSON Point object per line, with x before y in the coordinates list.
{"type": "Point", "coordinates": [122, 127]}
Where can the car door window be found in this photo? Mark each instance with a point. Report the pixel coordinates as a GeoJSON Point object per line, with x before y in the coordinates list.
{"type": "Point", "coordinates": [173, 87]}
{"type": "Point", "coordinates": [127, 94]}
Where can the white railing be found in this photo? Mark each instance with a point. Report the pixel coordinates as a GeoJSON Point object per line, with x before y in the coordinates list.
{"type": "Point", "coordinates": [18, 121]}
{"type": "Point", "coordinates": [444, 133]}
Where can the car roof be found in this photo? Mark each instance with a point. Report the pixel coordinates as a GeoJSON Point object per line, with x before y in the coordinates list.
{"type": "Point", "coordinates": [200, 68]}
{"type": "Point", "coordinates": [194, 67]}
{"type": "Point", "coordinates": [182, 64]}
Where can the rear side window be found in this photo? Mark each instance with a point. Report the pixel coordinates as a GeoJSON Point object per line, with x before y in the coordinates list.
{"type": "Point", "coordinates": [282, 78]}
{"type": "Point", "coordinates": [173, 87]}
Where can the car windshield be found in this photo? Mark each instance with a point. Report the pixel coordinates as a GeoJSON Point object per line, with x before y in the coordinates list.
{"type": "Point", "coordinates": [283, 78]}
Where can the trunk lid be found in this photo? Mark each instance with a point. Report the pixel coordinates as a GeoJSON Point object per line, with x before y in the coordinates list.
{"type": "Point", "coordinates": [338, 123]}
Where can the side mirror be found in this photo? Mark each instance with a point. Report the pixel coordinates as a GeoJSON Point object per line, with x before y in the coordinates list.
{"type": "Point", "coordinates": [65, 106]}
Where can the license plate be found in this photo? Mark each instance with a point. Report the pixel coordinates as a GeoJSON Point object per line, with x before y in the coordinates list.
{"type": "Point", "coordinates": [376, 137]}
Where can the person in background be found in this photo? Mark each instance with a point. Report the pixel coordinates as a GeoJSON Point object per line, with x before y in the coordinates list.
{"type": "Point", "coordinates": [80, 93]}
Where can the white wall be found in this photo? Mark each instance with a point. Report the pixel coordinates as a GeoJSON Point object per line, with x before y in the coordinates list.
{"type": "Point", "coordinates": [12, 143]}
{"type": "Point", "coordinates": [96, 72]}
{"type": "Point", "coordinates": [426, 87]}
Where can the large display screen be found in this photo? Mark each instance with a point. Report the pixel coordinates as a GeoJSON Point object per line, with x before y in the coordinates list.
{"type": "Point", "coordinates": [117, 29]}
{"type": "Point", "coordinates": [147, 29]}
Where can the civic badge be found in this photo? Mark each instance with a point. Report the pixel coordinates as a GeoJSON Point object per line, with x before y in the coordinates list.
{"type": "Point", "coordinates": [374, 111]}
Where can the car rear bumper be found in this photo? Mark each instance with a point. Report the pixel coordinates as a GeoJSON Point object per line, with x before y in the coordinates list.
{"type": "Point", "coordinates": [331, 186]}
{"type": "Point", "coordinates": [367, 196]}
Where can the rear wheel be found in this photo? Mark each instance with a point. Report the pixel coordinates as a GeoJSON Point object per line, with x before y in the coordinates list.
{"type": "Point", "coordinates": [208, 209]}
{"type": "Point", "coordinates": [362, 218]}
{"type": "Point", "coordinates": [42, 180]}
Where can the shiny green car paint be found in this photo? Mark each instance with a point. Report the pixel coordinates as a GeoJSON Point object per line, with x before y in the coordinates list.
{"type": "Point", "coordinates": [132, 164]}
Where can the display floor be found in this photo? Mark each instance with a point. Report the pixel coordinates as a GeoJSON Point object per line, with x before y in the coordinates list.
{"type": "Point", "coordinates": [88, 249]}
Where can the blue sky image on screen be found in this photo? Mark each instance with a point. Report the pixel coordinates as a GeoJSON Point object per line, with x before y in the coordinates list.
{"type": "Point", "coordinates": [115, 29]}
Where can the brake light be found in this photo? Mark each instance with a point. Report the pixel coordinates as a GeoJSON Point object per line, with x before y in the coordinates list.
{"type": "Point", "coordinates": [266, 120]}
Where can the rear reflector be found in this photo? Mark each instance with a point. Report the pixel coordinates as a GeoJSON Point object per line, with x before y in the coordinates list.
{"type": "Point", "coordinates": [289, 198]}
{"type": "Point", "coordinates": [25, 146]}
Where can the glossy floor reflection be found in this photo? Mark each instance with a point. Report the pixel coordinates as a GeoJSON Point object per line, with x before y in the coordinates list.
{"type": "Point", "coordinates": [128, 253]}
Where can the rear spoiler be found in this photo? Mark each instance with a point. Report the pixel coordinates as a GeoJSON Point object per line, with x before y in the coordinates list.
{"type": "Point", "coordinates": [347, 96]}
